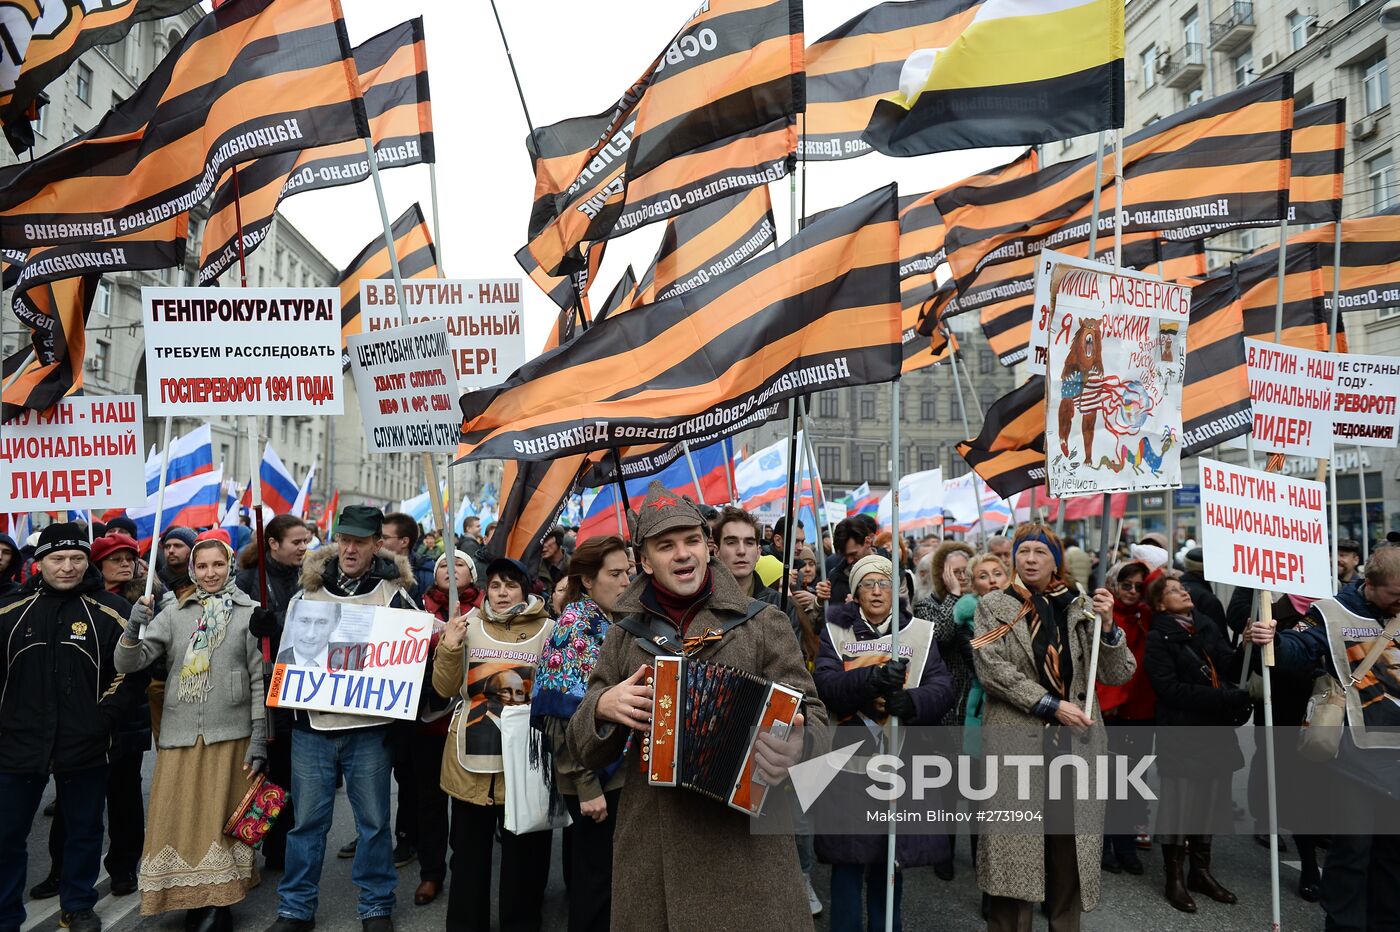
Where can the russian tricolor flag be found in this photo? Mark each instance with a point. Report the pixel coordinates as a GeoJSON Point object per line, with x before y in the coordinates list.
{"type": "Point", "coordinates": [864, 501]}
{"type": "Point", "coordinates": [191, 455]}
{"type": "Point", "coordinates": [192, 503]}
{"type": "Point", "coordinates": [711, 465]}
{"type": "Point", "coordinates": [279, 489]}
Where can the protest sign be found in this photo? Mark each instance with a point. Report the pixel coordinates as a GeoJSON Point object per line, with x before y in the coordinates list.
{"type": "Point", "coordinates": [1290, 390]}
{"type": "Point", "coordinates": [1373, 704]}
{"type": "Point", "coordinates": [407, 388]}
{"type": "Point", "coordinates": [1050, 268]}
{"type": "Point", "coordinates": [835, 512]}
{"type": "Point", "coordinates": [1116, 366]}
{"type": "Point", "coordinates": [231, 351]}
{"type": "Point", "coordinates": [1365, 390]}
{"type": "Point", "coordinates": [360, 660]}
{"type": "Point", "coordinates": [84, 452]}
{"type": "Point", "coordinates": [1264, 530]}
{"type": "Point", "coordinates": [483, 321]}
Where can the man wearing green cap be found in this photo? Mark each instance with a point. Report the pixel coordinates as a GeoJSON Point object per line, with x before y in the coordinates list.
{"type": "Point", "coordinates": [352, 571]}
{"type": "Point", "coordinates": [670, 842]}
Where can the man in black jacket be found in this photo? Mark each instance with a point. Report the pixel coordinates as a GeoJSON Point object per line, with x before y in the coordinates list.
{"type": "Point", "coordinates": [10, 564]}
{"type": "Point", "coordinates": [62, 702]}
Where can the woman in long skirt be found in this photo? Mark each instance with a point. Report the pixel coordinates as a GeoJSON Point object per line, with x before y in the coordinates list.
{"type": "Point", "coordinates": [213, 741]}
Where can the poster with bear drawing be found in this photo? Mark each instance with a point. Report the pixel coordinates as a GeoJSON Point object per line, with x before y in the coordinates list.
{"type": "Point", "coordinates": [1116, 365]}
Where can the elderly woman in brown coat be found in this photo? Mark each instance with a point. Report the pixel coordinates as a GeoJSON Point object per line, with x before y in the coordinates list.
{"type": "Point", "coordinates": [1032, 652]}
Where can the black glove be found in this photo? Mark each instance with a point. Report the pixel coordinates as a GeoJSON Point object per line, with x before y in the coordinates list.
{"type": "Point", "coordinates": [889, 678]}
{"type": "Point", "coordinates": [900, 704]}
{"type": "Point", "coordinates": [264, 623]}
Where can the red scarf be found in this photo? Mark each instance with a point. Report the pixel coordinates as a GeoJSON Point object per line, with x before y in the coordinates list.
{"type": "Point", "coordinates": [435, 600]}
{"type": "Point", "coordinates": [682, 609]}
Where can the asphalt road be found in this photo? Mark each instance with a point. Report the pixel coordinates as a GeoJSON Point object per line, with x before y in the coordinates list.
{"type": "Point", "coordinates": [1129, 903]}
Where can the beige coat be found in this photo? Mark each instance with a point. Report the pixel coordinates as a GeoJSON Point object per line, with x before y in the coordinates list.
{"type": "Point", "coordinates": [1013, 865]}
{"type": "Point", "coordinates": [450, 681]}
{"type": "Point", "coordinates": [682, 861]}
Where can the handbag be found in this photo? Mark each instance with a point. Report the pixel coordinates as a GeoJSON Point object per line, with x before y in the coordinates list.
{"type": "Point", "coordinates": [1320, 738]}
{"type": "Point", "coordinates": [253, 817]}
{"type": "Point", "coordinates": [527, 793]}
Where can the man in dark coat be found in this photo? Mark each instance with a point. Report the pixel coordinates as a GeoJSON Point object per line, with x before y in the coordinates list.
{"type": "Point", "coordinates": [1361, 883]}
{"type": "Point", "coordinates": [401, 540]}
{"type": "Point", "coordinates": [10, 564]}
{"type": "Point", "coordinates": [683, 861]}
{"type": "Point", "coordinates": [62, 703]}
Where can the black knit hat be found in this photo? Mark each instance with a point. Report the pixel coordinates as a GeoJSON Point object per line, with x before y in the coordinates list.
{"type": "Point", "coordinates": [57, 537]}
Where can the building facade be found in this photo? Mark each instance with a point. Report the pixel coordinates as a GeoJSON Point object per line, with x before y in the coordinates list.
{"type": "Point", "coordinates": [115, 362]}
{"type": "Point", "coordinates": [1179, 52]}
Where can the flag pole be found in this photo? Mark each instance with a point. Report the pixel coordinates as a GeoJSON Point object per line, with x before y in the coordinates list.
{"type": "Point", "coordinates": [790, 499]}
{"type": "Point", "coordinates": [729, 470]}
{"type": "Point", "coordinates": [437, 231]}
{"type": "Point", "coordinates": [449, 537]}
{"type": "Point", "coordinates": [513, 73]}
{"type": "Point", "coordinates": [694, 476]}
{"type": "Point", "coordinates": [160, 509]}
{"type": "Point", "coordinates": [896, 575]}
{"type": "Point", "coordinates": [967, 430]}
{"type": "Point", "coordinates": [255, 485]}
{"type": "Point", "coordinates": [238, 219]}
{"type": "Point", "coordinates": [1332, 348]}
{"type": "Point", "coordinates": [819, 489]}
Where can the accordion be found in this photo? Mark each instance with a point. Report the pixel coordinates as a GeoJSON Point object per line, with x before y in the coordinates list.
{"type": "Point", "coordinates": [705, 723]}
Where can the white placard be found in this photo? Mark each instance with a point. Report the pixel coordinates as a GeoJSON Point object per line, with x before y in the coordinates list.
{"type": "Point", "coordinates": [1264, 530]}
{"type": "Point", "coordinates": [84, 452]}
{"type": "Point", "coordinates": [231, 351]}
{"type": "Point", "coordinates": [1291, 391]}
{"type": "Point", "coordinates": [1366, 400]}
{"type": "Point", "coordinates": [1050, 267]}
{"type": "Point", "coordinates": [351, 659]}
{"type": "Point", "coordinates": [407, 388]}
{"type": "Point", "coordinates": [1117, 364]}
{"type": "Point", "coordinates": [483, 319]}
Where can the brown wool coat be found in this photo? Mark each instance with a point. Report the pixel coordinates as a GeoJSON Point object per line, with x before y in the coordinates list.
{"type": "Point", "coordinates": [681, 861]}
{"type": "Point", "coordinates": [1014, 864]}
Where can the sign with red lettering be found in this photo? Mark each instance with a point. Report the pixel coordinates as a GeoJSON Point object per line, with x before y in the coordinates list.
{"type": "Point", "coordinates": [407, 388]}
{"type": "Point", "coordinates": [84, 452]}
{"type": "Point", "coordinates": [1115, 370]}
{"type": "Point", "coordinates": [483, 320]}
{"type": "Point", "coordinates": [230, 351]}
{"type": "Point", "coordinates": [1264, 530]}
{"type": "Point", "coordinates": [1365, 400]}
{"type": "Point", "coordinates": [1050, 268]}
{"type": "Point", "coordinates": [349, 662]}
{"type": "Point", "coordinates": [1291, 391]}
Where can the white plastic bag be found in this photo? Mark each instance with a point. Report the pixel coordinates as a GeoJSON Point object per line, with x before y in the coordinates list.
{"type": "Point", "coordinates": [527, 795]}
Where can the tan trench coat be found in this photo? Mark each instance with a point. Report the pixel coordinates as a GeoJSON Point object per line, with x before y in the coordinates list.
{"type": "Point", "coordinates": [680, 860]}
{"type": "Point", "coordinates": [1013, 865]}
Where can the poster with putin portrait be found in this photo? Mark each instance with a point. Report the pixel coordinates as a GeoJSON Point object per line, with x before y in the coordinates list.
{"type": "Point", "coordinates": [1116, 364]}
{"type": "Point", "coordinates": [343, 659]}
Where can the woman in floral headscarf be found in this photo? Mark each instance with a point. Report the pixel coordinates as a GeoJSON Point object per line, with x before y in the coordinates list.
{"type": "Point", "coordinates": [597, 578]}
{"type": "Point", "coordinates": [213, 740]}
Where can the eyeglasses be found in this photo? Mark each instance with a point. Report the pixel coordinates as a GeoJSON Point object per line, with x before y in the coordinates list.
{"type": "Point", "coordinates": [876, 585]}
{"type": "Point", "coordinates": [1130, 586]}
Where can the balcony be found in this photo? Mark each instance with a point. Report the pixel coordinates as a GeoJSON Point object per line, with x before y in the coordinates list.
{"type": "Point", "coordinates": [1182, 68]}
{"type": "Point", "coordinates": [1232, 28]}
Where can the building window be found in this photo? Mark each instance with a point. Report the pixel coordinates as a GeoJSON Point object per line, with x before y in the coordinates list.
{"type": "Point", "coordinates": [101, 358]}
{"type": "Point", "coordinates": [1297, 31]}
{"type": "Point", "coordinates": [1191, 29]}
{"type": "Point", "coordinates": [829, 462]}
{"type": "Point", "coordinates": [116, 100]}
{"type": "Point", "coordinates": [928, 459]}
{"type": "Point", "coordinates": [1194, 96]}
{"type": "Point", "coordinates": [102, 301]}
{"type": "Point", "coordinates": [1380, 177]}
{"type": "Point", "coordinates": [986, 362]}
{"type": "Point", "coordinates": [1149, 67]}
{"type": "Point", "coordinates": [1375, 83]}
{"type": "Point", "coordinates": [928, 406]}
{"type": "Point", "coordinates": [867, 466]}
{"type": "Point", "coordinates": [262, 276]}
{"type": "Point", "coordinates": [1242, 66]}
{"type": "Point", "coordinates": [84, 83]}
{"type": "Point", "coordinates": [867, 406]}
{"type": "Point", "coordinates": [829, 405]}
{"type": "Point", "coordinates": [41, 125]}
{"type": "Point", "coordinates": [955, 407]}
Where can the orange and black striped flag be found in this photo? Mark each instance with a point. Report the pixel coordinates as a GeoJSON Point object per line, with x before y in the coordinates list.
{"type": "Point", "coordinates": [393, 77]}
{"type": "Point", "coordinates": [821, 311]}
{"type": "Point", "coordinates": [40, 39]}
{"type": "Point", "coordinates": [253, 78]}
{"type": "Point", "coordinates": [535, 494]}
{"type": "Point", "coordinates": [1019, 73]}
{"type": "Point", "coordinates": [1370, 277]}
{"type": "Point", "coordinates": [705, 243]}
{"type": "Point", "coordinates": [1223, 161]}
{"type": "Point", "coordinates": [859, 62]}
{"type": "Point", "coordinates": [1215, 403]}
{"type": "Point", "coordinates": [1306, 322]}
{"type": "Point", "coordinates": [56, 313]}
{"type": "Point", "coordinates": [714, 113]}
{"type": "Point", "coordinates": [413, 243]}
{"type": "Point", "coordinates": [1009, 453]}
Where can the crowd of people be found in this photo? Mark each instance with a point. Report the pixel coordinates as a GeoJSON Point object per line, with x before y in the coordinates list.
{"type": "Point", "coordinates": [109, 652]}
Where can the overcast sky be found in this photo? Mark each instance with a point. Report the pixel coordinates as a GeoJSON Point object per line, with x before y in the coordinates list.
{"type": "Point", "coordinates": [573, 58]}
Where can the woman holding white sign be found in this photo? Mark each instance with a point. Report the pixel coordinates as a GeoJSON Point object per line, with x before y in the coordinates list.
{"type": "Point", "coordinates": [213, 740]}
